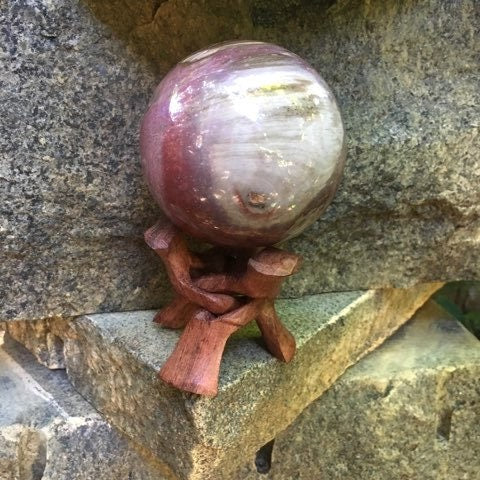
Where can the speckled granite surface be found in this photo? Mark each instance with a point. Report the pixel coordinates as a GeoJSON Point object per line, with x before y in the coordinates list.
{"type": "Point", "coordinates": [49, 432]}
{"type": "Point", "coordinates": [405, 76]}
{"type": "Point", "coordinates": [73, 202]}
{"type": "Point", "coordinates": [113, 360]}
{"type": "Point", "coordinates": [410, 409]}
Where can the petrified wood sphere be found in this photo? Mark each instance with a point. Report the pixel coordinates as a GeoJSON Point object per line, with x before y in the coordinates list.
{"type": "Point", "coordinates": [243, 144]}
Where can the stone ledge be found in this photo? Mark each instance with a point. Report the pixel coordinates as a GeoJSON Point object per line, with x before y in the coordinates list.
{"type": "Point", "coordinates": [76, 206]}
{"type": "Point", "coordinates": [49, 432]}
{"type": "Point", "coordinates": [113, 359]}
{"type": "Point", "coordinates": [409, 410]}
{"type": "Point", "coordinates": [43, 338]}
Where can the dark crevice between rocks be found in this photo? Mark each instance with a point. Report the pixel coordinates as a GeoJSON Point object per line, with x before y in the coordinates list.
{"type": "Point", "coordinates": [57, 348]}
{"type": "Point", "coordinates": [462, 301]}
{"type": "Point", "coordinates": [444, 424]}
{"type": "Point", "coordinates": [272, 14]}
{"type": "Point", "coordinates": [263, 458]}
{"type": "Point", "coordinates": [388, 390]}
{"type": "Point", "coordinates": [165, 31]}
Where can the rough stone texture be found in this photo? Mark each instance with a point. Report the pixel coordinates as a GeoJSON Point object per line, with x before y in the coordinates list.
{"type": "Point", "coordinates": [74, 204]}
{"type": "Point", "coordinates": [409, 410]}
{"type": "Point", "coordinates": [113, 359]}
{"type": "Point", "coordinates": [43, 338]}
{"type": "Point", "coordinates": [49, 432]}
{"type": "Point", "coordinates": [71, 97]}
{"type": "Point", "coordinates": [405, 76]}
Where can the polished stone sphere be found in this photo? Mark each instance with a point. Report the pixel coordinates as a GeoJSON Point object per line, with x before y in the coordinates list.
{"type": "Point", "coordinates": [243, 144]}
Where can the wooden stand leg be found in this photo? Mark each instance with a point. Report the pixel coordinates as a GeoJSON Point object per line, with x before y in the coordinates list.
{"type": "Point", "coordinates": [170, 245]}
{"type": "Point", "coordinates": [237, 287]}
{"type": "Point", "coordinates": [194, 365]}
{"type": "Point", "coordinates": [279, 341]}
{"type": "Point", "coordinates": [176, 314]}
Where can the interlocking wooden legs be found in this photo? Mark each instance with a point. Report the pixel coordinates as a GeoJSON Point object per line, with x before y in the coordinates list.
{"type": "Point", "coordinates": [213, 306]}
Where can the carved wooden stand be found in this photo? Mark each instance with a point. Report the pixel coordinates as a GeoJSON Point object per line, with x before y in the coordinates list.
{"type": "Point", "coordinates": [217, 293]}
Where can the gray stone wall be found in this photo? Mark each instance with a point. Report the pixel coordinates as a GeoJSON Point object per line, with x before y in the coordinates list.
{"type": "Point", "coordinates": [74, 84]}
{"type": "Point", "coordinates": [49, 432]}
{"type": "Point", "coordinates": [409, 410]}
{"type": "Point", "coordinates": [74, 203]}
{"type": "Point", "coordinates": [113, 361]}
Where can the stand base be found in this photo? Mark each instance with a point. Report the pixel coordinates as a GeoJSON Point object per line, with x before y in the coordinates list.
{"type": "Point", "coordinates": [212, 306]}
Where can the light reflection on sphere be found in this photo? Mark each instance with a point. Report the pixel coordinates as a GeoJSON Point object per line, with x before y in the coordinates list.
{"type": "Point", "coordinates": [243, 144]}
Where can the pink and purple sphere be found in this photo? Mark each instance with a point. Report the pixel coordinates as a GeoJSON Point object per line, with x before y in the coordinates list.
{"type": "Point", "coordinates": [243, 144]}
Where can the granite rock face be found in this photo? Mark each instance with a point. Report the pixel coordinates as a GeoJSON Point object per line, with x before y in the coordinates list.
{"type": "Point", "coordinates": [74, 205]}
{"type": "Point", "coordinates": [409, 210]}
{"type": "Point", "coordinates": [72, 95]}
{"type": "Point", "coordinates": [405, 76]}
{"type": "Point", "coordinates": [43, 338]}
{"type": "Point", "coordinates": [113, 360]}
{"type": "Point", "coordinates": [49, 432]}
{"type": "Point", "coordinates": [409, 410]}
